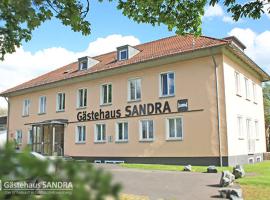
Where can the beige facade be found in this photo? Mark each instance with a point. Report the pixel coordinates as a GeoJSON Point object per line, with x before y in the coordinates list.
{"type": "Point", "coordinates": [204, 140]}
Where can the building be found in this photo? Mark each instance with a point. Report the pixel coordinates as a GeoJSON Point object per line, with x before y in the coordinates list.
{"type": "Point", "coordinates": [3, 130]}
{"type": "Point", "coordinates": [177, 100]}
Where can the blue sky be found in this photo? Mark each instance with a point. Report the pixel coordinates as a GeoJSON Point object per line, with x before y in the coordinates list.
{"type": "Point", "coordinates": [54, 45]}
{"type": "Point", "coordinates": [106, 20]}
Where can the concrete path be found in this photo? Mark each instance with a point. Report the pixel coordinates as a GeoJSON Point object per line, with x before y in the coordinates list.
{"type": "Point", "coordinates": [166, 184]}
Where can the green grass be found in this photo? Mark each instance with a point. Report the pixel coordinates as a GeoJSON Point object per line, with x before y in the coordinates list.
{"type": "Point", "coordinates": [170, 167]}
{"type": "Point", "coordinates": [257, 174]}
{"type": "Point", "coordinates": [255, 185]}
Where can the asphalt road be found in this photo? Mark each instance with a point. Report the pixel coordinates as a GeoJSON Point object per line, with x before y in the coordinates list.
{"type": "Point", "coordinates": [166, 184]}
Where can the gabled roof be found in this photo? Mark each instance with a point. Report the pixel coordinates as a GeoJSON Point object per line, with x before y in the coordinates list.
{"type": "Point", "coordinates": [148, 51]}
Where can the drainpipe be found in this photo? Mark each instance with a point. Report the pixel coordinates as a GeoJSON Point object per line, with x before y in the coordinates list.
{"type": "Point", "coordinates": [7, 100]}
{"type": "Point", "coordinates": [218, 111]}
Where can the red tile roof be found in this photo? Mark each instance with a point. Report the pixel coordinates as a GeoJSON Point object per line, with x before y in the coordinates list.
{"type": "Point", "coordinates": [148, 51]}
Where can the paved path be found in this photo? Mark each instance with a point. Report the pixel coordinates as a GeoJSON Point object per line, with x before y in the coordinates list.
{"type": "Point", "coordinates": [166, 184]}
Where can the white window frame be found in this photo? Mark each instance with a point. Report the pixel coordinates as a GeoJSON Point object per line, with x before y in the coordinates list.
{"type": "Point", "coordinates": [120, 51]}
{"type": "Point", "coordinates": [147, 133]}
{"type": "Point", "coordinates": [247, 88]}
{"type": "Point", "coordinates": [26, 107]}
{"type": "Point", "coordinates": [129, 89]}
{"type": "Point", "coordinates": [102, 94]}
{"type": "Point", "coordinates": [168, 87]}
{"type": "Point", "coordinates": [238, 88]}
{"type": "Point", "coordinates": [257, 129]}
{"type": "Point", "coordinates": [83, 127]}
{"type": "Point", "coordinates": [240, 126]}
{"type": "Point", "coordinates": [168, 129]}
{"type": "Point", "coordinates": [18, 136]}
{"type": "Point", "coordinates": [254, 90]}
{"type": "Point", "coordinates": [58, 109]}
{"type": "Point", "coordinates": [102, 133]}
{"type": "Point", "coordinates": [83, 96]}
{"type": "Point", "coordinates": [42, 107]}
{"type": "Point", "coordinates": [123, 131]}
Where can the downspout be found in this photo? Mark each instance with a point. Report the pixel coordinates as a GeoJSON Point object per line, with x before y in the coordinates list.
{"type": "Point", "coordinates": [217, 108]}
{"type": "Point", "coordinates": [7, 100]}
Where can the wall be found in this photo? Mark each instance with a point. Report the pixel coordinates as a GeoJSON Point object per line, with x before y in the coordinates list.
{"type": "Point", "coordinates": [194, 80]}
{"type": "Point", "coordinates": [238, 105]}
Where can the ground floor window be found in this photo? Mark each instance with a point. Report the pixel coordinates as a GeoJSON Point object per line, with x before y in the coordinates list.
{"type": "Point", "coordinates": [100, 133]}
{"type": "Point", "coordinates": [175, 128]}
{"type": "Point", "coordinates": [80, 134]}
{"type": "Point", "coordinates": [122, 131]}
{"type": "Point", "coordinates": [146, 130]}
{"type": "Point", "coordinates": [18, 137]}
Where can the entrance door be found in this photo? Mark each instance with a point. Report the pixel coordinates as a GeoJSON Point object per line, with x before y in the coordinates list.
{"type": "Point", "coordinates": [48, 139]}
{"type": "Point", "coordinates": [250, 137]}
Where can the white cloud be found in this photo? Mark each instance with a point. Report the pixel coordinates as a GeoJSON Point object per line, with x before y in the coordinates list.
{"type": "Point", "coordinates": [213, 11]}
{"type": "Point", "coordinates": [218, 12]}
{"type": "Point", "coordinates": [258, 45]}
{"type": "Point", "coordinates": [24, 65]}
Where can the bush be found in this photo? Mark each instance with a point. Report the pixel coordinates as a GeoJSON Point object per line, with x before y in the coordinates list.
{"type": "Point", "coordinates": [87, 181]}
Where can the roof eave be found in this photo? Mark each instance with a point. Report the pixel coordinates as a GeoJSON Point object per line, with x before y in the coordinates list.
{"type": "Point", "coordinates": [194, 53]}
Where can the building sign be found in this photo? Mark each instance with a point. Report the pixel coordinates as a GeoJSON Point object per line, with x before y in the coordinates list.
{"type": "Point", "coordinates": [130, 111]}
{"type": "Point", "coordinates": [182, 105]}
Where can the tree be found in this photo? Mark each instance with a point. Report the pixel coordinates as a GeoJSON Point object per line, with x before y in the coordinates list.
{"type": "Point", "coordinates": [266, 101]}
{"type": "Point", "coordinates": [19, 18]}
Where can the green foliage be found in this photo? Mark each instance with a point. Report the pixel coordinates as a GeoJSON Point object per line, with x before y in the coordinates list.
{"type": "Point", "coordinates": [88, 182]}
{"type": "Point", "coordinates": [18, 18]}
{"type": "Point", "coordinates": [266, 99]}
{"type": "Point", "coordinates": [266, 102]}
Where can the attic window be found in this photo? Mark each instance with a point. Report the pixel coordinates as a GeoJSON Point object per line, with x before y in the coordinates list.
{"type": "Point", "coordinates": [123, 54]}
{"type": "Point", "coordinates": [83, 65]}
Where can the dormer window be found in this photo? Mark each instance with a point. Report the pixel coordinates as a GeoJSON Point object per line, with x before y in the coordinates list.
{"type": "Point", "coordinates": [86, 62]}
{"type": "Point", "coordinates": [83, 65]}
{"type": "Point", "coordinates": [126, 52]}
{"type": "Point", "coordinates": [123, 54]}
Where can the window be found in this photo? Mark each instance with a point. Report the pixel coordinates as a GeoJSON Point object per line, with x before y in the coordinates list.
{"type": "Point", "coordinates": [240, 127]}
{"type": "Point", "coordinates": [60, 104]}
{"type": "Point", "coordinates": [42, 104]}
{"type": "Point", "coordinates": [123, 54]}
{"type": "Point", "coordinates": [254, 92]}
{"type": "Point", "coordinates": [146, 130]}
{"type": "Point", "coordinates": [30, 137]}
{"type": "Point", "coordinates": [18, 137]}
{"type": "Point", "coordinates": [80, 134]}
{"type": "Point", "coordinates": [122, 131]}
{"type": "Point", "coordinates": [100, 133]}
{"type": "Point", "coordinates": [174, 128]}
{"type": "Point", "coordinates": [82, 98]}
{"type": "Point", "coordinates": [237, 83]}
{"type": "Point", "coordinates": [134, 89]}
{"type": "Point", "coordinates": [256, 126]}
{"type": "Point", "coordinates": [106, 94]}
{"type": "Point", "coordinates": [83, 65]}
{"type": "Point", "coordinates": [26, 106]}
{"type": "Point", "coordinates": [247, 89]}
{"type": "Point", "coordinates": [167, 84]}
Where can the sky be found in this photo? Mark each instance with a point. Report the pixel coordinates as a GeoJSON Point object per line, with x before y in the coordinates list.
{"type": "Point", "coordinates": [54, 45]}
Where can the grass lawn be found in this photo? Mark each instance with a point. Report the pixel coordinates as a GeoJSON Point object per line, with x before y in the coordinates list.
{"type": "Point", "coordinates": [255, 185]}
{"type": "Point", "coordinates": [170, 167]}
